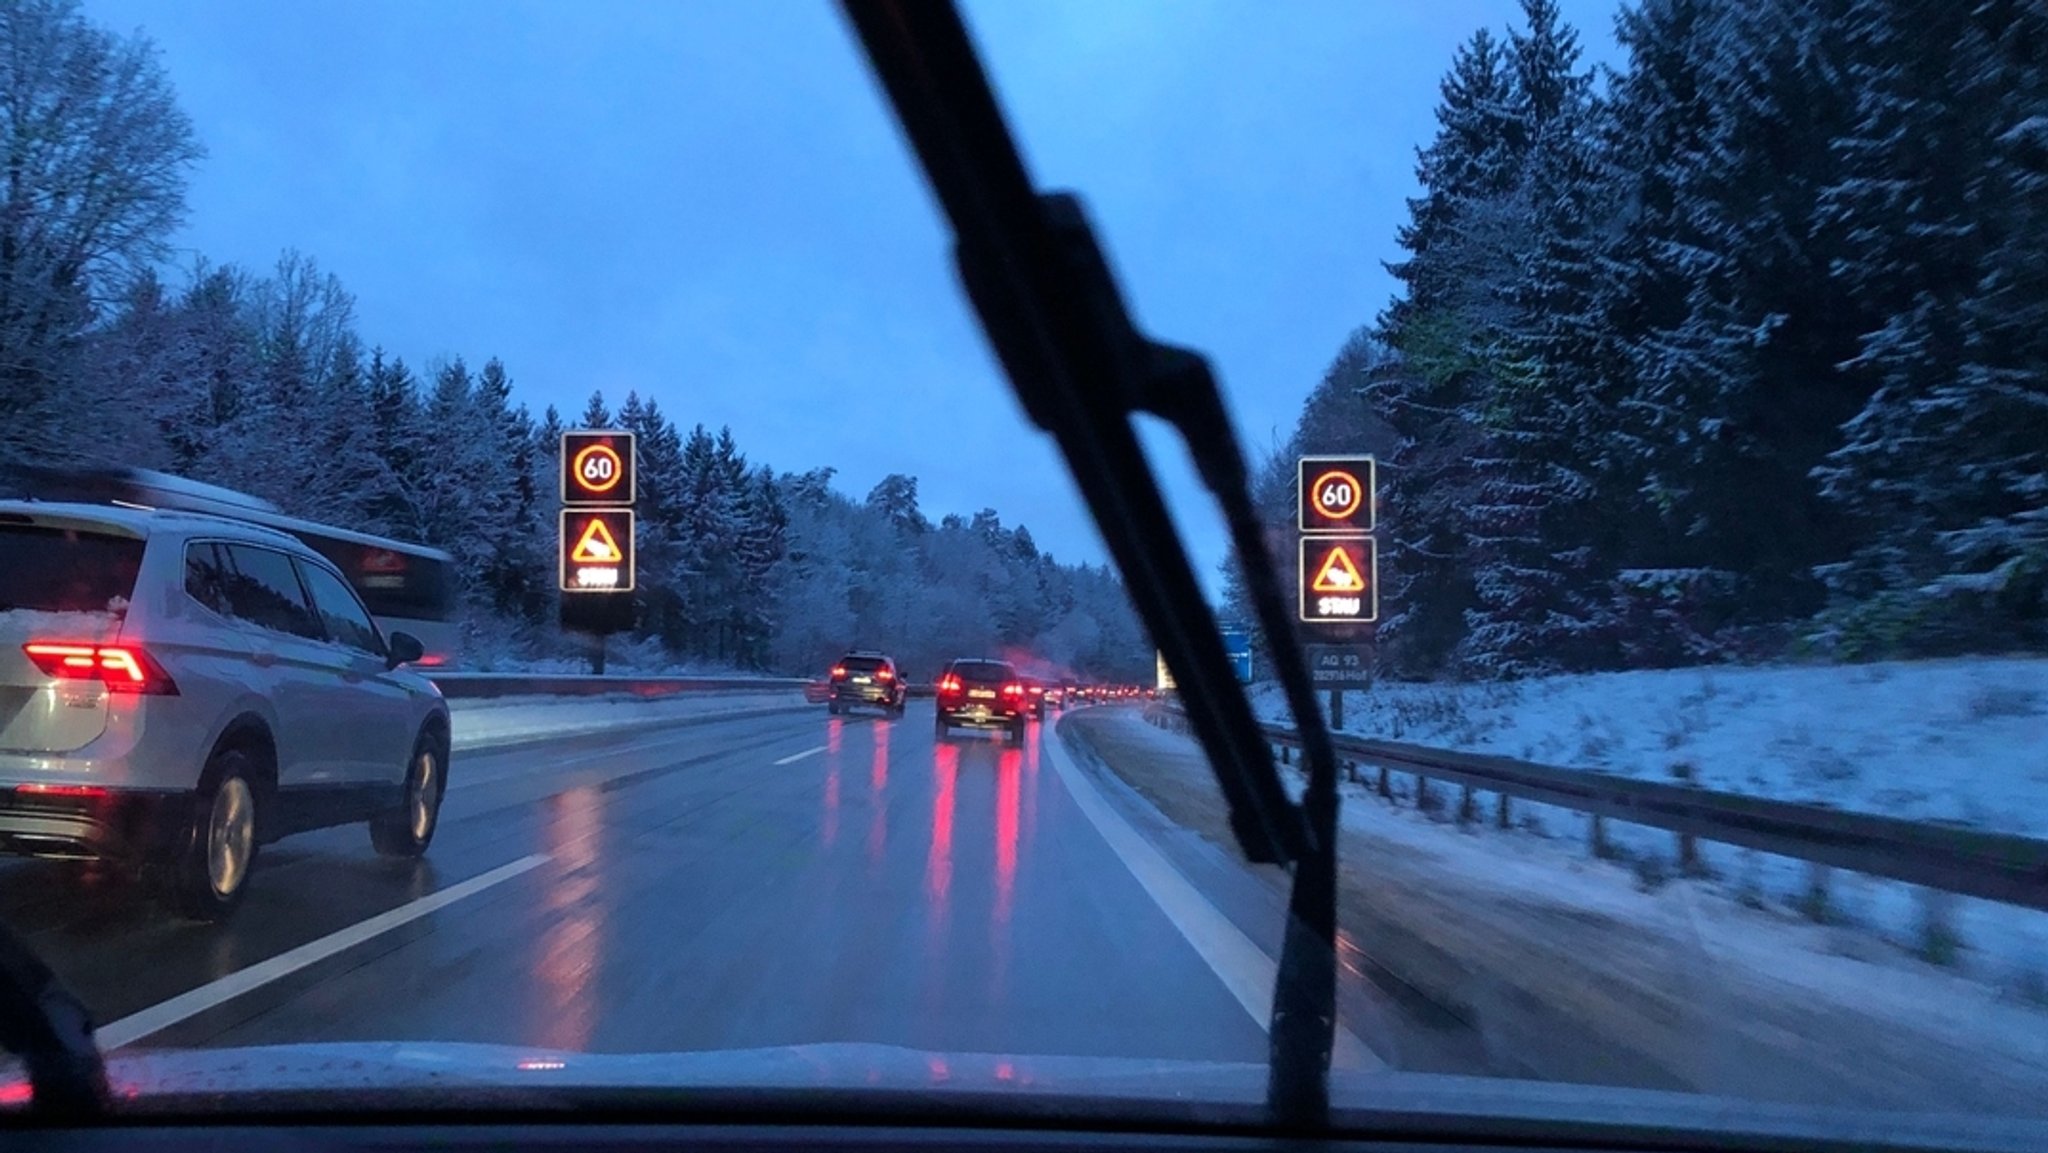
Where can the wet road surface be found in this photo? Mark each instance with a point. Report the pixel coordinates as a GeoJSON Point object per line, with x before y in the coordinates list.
{"type": "Point", "coordinates": [734, 884]}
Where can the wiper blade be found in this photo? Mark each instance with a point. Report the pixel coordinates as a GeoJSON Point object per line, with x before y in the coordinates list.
{"type": "Point", "coordinates": [48, 1027]}
{"type": "Point", "coordinates": [1082, 370]}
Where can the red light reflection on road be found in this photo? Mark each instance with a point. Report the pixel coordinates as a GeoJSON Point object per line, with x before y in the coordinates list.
{"type": "Point", "coordinates": [878, 772]}
{"type": "Point", "coordinates": [831, 830]}
{"type": "Point", "coordinates": [1009, 772]}
{"type": "Point", "coordinates": [878, 779]}
{"type": "Point", "coordinates": [575, 923]}
{"type": "Point", "coordinates": [1031, 784]}
{"type": "Point", "coordinates": [938, 866]}
{"type": "Point", "coordinates": [833, 729]}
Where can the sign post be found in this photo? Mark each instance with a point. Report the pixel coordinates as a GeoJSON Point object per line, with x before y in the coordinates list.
{"type": "Point", "coordinates": [599, 485]}
{"type": "Point", "coordinates": [1337, 511]}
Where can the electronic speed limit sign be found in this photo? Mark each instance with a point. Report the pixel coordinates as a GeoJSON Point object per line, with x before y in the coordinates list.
{"type": "Point", "coordinates": [597, 468]}
{"type": "Point", "coordinates": [1337, 494]}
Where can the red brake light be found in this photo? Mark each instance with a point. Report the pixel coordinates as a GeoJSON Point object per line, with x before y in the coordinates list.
{"type": "Point", "coordinates": [884, 675]}
{"type": "Point", "coordinates": [122, 668]}
{"type": "Point", "coordinates": [61, 790]}
{"type": "Point", "coordinates": [838, 672]}
{"type": "Point", "coordinates": [1013, 689]}
{"type": "Point", "coordinates": [949, 683]}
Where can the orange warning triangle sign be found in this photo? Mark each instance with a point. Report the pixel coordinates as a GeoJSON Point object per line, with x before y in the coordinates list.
{"type": "Point", "coordinates": [1337, 574]}
{"type": "Point", "coordinates": [596, 546]}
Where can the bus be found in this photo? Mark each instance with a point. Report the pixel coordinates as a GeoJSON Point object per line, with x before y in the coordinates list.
{"type": "Point", "coordinates": [404, 585]}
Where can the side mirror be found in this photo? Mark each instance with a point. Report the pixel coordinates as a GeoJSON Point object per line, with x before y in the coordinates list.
{"type": "Point", "coordinates": [402, 649]}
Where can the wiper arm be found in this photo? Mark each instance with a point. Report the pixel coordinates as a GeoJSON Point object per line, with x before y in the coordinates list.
{"type": "Point", "coordinates": [48, 1027]}
{"type": "Point", "coordinates": [1082, 370]}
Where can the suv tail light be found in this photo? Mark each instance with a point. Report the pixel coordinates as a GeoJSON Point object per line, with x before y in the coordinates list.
{"type": "Point", "coordinates": [122, 668]}
{"type": "Point", "coordinates": [949, 684]}
{"type": "Point", "coordinates": [884, 675]}
{"type": "Point", "coordinates": [1013, 689]}
{"type": "Point", "coordinates": [838, 672]}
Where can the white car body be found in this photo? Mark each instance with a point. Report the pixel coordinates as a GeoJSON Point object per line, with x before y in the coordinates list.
{"type": "Point", "coordinates": [328, 726]}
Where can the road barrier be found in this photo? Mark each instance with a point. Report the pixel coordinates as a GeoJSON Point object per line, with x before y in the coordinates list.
{"type": "Point", "coordinates": [473, 686]}
{"type": "Point", "coordinates": [479, 686]}
{"type": "Point", "coordinates": [1946, 857]}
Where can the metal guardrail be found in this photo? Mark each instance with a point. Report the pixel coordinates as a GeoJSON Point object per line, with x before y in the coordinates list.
{"type": "Point", "coordinates": [473, 686]}
{"type": "Point", "coordinates": [480, 686]}
{"type": "Point", "coordinates": [1993, 866]}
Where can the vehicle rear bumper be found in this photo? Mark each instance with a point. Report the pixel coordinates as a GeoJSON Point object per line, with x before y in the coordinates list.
{"type": "Point", "coordinates": [969, 716]}
{"type": "Point", "coordinates": [126, 825]}
{"type": "Point", "coordinates": [864, 695]}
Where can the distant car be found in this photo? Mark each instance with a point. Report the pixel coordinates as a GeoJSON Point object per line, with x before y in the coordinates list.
{"type": "Point", "coordinates": [866, 679]}
{"type": "Point", "coordinates": [186, 688]}
{"type": "Point", "coordinates": [1035, 691]}
{"type": "Point", "coordinates": [982, 694]}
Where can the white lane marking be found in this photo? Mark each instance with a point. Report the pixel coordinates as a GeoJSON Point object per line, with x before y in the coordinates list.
{"type": "Point", "coordinates": [802, 755]}
{"type": "Point", "coordinates": [163, 1015]}
{"type": "Point", "coordinates": [1237, 960]}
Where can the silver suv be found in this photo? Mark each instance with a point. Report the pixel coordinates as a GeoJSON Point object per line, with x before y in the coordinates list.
{"type": "Point", "coordinates": [178, 689]}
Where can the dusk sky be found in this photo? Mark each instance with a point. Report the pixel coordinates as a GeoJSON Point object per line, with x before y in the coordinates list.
{"type": "Point", "coordinates": [709, 203]}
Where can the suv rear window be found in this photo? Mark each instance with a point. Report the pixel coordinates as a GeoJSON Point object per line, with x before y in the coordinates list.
{"type": "Point", "coordinates": [861, 664]}
{"type": "Point", "coordinates": [66, 570]}
{"type": "Point", "coordinates": [984, 672]}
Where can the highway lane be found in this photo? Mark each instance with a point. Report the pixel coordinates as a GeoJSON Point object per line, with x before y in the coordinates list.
{"type": "Point", "coordinates": [751, 882]}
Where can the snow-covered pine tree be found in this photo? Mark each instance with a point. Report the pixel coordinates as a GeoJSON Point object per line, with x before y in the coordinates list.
{"type": "Point", "coordinates": [1941, 204]}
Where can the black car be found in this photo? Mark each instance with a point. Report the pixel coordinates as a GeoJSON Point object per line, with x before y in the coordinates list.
{"type": "Point", "coordinates": [981, 694]}
{"type": "Point", "coordinates": [866, 678]}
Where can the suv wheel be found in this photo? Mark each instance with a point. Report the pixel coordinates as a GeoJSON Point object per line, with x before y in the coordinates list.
{"type": "Point", "coordinates": [1017, 730]}
{"type": "Point", "coordinates": [209, 869]}
{"type": "Point", "coordinates": [939, 727]}
{"type": "Point", "coordinates": [832, 707]}
{"type": "Point", "coordinates": [406, 831]}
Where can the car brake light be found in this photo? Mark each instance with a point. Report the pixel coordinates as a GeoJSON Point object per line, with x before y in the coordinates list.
{"type": "Point", "coordinates": [122, 668]}
{"type": "Point", "coordinates": [61, 790]}
{"type": "Point", "coordinates": [949, 683]}
{"type": "Point", "coordinates": [884, 675]}
{"type": "Point", "coordinates": [1013, 689]}
{"type": "Point", "coordinates": [838, 672]}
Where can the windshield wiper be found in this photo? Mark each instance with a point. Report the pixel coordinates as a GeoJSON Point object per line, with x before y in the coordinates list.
{"type": "Point", "coordinates": [1082, 370]}
{"type": "Point", "coordinates": [48, 1027]}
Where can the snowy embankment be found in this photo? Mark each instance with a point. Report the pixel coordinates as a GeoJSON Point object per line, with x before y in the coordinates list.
{"type": "Point", "coordinates": [1955, 741]}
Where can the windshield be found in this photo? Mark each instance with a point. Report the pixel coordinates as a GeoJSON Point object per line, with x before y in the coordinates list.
{"type": "Point", "coordinates": [786, 646]}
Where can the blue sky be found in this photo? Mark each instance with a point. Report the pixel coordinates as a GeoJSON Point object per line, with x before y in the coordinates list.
{"type": "Point", "coordinates": [708, 202]}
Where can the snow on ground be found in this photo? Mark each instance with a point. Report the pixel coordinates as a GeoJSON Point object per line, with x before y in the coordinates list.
{"type": "Point", "coordinates": [1960, 740]}
{"type": "Point", "coordinates": [1954, 740]}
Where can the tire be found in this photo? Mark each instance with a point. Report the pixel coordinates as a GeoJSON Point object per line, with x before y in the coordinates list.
{"type": "Point", "coordinates": [832, 707]}
{"type": "Point", "coordinates": [1017, 730]}
{"type": "Point", "coordinates": [940, 730]}
{"type": "Point", "coordinates": [901, 708]}
{"type": "Point", "coordinates": [407, 830]}
{"type": "Point", "coordinates": [208, 871]}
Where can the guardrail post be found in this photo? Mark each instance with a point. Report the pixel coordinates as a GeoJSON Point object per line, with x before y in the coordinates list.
{"type": "Point", "coordinates": [1386, 789]}
{"type": "Point", "coordinates": [1468, 808]}
{"type": "Point", "coordinates": [1689, 863]}
{"type": "Point", "coordinates": [1501, 817]}
{"type": "Point", "coordinates": [1423, 801]}
{"type": "Point", "coordinates": [1597, 838]}
{"type": "Point", "coordinates": [1286, 754]}
{"type": "Point", "coordinates": [1939, 939]}
{"type": "Point", "coordinates": [1815, 902]}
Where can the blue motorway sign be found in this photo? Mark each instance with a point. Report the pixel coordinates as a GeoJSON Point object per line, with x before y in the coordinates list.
{"type": "Point", "coordinates": [1239, 646]}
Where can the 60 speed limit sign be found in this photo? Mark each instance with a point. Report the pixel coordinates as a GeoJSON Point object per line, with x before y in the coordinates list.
{"type": "Point", "coordinates": [597, 468]}
{"type": "Point", "coordinates": [1336, 494]}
